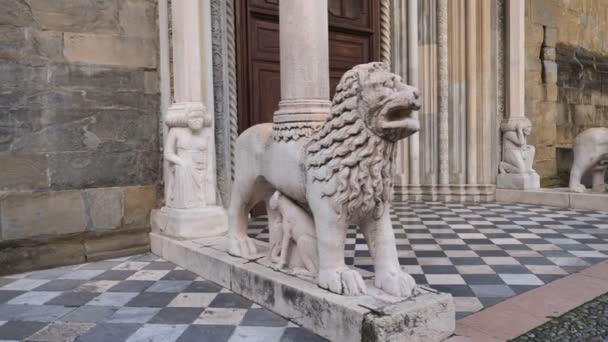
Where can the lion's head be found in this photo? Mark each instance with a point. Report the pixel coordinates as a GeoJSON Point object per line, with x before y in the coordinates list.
{"type": "Point", "coordinates": [385, 102]}
{"type": "Point", "coordinates": [353, 151]}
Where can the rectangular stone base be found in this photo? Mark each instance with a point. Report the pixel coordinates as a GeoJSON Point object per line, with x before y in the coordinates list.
{"type": "Point", "coordinates": [189, 223]}
{"type": "Point", "coordinates": [518, 181]}
{"type": "Point", "coordinates": [448, 193]}
{"type": "Point", "coordinates": [561, 197]}
{"type": "Point", "coordinates": [428, 316]}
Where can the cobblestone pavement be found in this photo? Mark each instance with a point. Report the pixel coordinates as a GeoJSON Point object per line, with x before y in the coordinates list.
{"type": "Point", "coordinates": [139, 298]}
{"type": "Point", "coordinates": [588, 322]}
{"type": "Point", "coordinates": [484, 253]}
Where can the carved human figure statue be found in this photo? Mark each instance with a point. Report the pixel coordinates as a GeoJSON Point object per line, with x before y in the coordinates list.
{"type": "Point", "coordinates": [517, 155]}
{"type": "Point", "coordinates": [186, 150]}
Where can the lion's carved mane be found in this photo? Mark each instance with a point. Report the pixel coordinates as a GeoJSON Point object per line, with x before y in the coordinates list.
{"type": "Point", "coordinates": [345, 149]}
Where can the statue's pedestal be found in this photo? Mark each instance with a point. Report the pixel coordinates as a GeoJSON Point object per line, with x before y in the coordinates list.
{"type": "Point", "coordinates": [428, 316]}
{"type": "Point", "coordinates": [518, 181]}
{"type": "Point", "coordinates": [598, 176]}
{"type": "Point", "coordinates": [559, 197]}
{"type": "Point", "coordinates": [189, 223]}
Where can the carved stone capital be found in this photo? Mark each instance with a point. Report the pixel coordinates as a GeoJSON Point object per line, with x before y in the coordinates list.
{"type": "Point", "coordinates": [180, 112]}
{"type": "Point", "coordinates": [515, 123]}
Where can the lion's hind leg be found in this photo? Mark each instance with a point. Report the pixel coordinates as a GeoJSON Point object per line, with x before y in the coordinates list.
{"type": "Point", "coordinates": [581, 164]}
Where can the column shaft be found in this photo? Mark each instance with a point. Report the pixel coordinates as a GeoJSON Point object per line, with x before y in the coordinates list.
{"type": "Point", "coordinates": [412, 73]}
{"type": "Point", "coordinates": [399, 64]}
{"type": "Point", "coordinates": [304, 54]}
{"type": "Point", "coordinates": [471, 56]}
{"type": "Point", "coordinates": [188, 50]}
{"type": "Point", "coordinates": [443, 53]}
{"type": "Point", "coordinates": [515, 71]}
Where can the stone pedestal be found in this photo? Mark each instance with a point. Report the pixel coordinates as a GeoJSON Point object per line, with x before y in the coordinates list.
{"type": "Point", "coordinates": [427, 316]}
{"type": "Point", "coordinates": [560, 197]}
{"type": "Point", "coordinates": [598, 177]}
{"type": "Point", "coordinates": [518, 181]}
{"type": "Point", "coordinates": [189, 223]}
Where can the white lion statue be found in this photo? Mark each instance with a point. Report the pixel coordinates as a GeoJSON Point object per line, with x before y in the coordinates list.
{"type": "Point", "coordinates": [590, 151]}
{"type": "Point", "coordinates": [341, 174]}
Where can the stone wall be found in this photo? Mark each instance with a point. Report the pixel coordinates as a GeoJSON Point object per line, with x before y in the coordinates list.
{"type": "Point", "coordinates": [79, 113]}
{"type": "Point", "coordinates": [567, 76]}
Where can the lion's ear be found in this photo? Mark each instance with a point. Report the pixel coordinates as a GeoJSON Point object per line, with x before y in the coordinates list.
{"type": "Point", "coordinates": [384, 66]}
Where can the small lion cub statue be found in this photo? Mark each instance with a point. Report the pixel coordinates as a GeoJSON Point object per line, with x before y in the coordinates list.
{"type": "Point", "coordinates": [293, 240]}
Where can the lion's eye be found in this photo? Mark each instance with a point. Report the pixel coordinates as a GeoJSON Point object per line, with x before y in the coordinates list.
{"type": "Point", "coordinates": [389, 83]}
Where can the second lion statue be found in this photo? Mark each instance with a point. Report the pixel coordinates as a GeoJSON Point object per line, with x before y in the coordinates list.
{"type": "Point", "coordinates": [341, 173]}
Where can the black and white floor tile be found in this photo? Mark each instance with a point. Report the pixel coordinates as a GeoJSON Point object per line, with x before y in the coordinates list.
{"type": "Point", "coordinates": [484, 253]}
{"type": "Point", "coordinates": [481, 253]}
{"type": "Point", "coordinates": [140, 298]}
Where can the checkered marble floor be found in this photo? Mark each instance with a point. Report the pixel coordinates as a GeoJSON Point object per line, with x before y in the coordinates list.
{"type": "Point", "coordinates": [484, 253]}
{"type": "Point", "coordinates": [139, 298]}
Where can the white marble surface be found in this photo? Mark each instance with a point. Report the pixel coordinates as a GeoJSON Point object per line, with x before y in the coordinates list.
{"type": "Point", "coordinates": [590, 154]}
{"type": "Point", "coordinates": [342, 174]}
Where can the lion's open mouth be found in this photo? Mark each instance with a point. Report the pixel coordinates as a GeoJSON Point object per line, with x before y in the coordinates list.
{"type": "Point", "coordinates": [397, 114]}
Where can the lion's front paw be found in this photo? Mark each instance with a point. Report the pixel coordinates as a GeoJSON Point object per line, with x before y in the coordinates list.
{"type": "Point", "coordinates": [578, 188]}
{"type": "Point", "coordinates": [343, 281]}
{"type": "Point", "coordinates": [398, 284]}
{"type": "Point", "coordinates": [242, 246]}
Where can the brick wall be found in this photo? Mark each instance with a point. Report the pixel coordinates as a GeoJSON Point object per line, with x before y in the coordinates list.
{"type": "Point", "coordinates": [567, 76]}
{"type": "Point", "coordinates": [79, 112]}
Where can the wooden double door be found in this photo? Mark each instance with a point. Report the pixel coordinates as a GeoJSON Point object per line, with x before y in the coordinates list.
{"type": "Point", "coordinates": [354, 36]}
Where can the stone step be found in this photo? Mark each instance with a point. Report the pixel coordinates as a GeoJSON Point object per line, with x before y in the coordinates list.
{"type": "Point", "coordinates": [428, 316]}
{"type": "Point", "coordinates": [558, 197]}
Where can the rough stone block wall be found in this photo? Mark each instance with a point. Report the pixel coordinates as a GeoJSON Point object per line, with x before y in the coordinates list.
{"type": "Point", "coordinates": [79, 114]}
{"type": "Point", "coordinates": [567, 76]}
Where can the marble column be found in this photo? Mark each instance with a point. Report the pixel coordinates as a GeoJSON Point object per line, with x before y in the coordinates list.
{"type": "Point", "coordinates": [443, 81]}
{"type": "Point", "coordinates": [191, 209]}
{"type": "Point", "coordinates": [515, 171]}
{"type": "Point", "coordinates": [399, 53]}
{"type": "Point", "coordinates": [304, 57]}
{"type": "Point", "coordinates": [471, 56]}
{"type": "Point", "coordinates": [412, 73]}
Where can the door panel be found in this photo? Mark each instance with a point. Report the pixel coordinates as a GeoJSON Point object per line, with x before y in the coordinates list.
{"type": "Point", "coordinates": [264, 40]}
{"type": "Point", "coordinates": [353, 39]}
{"type": "Point", "coordinates": [266, 78]}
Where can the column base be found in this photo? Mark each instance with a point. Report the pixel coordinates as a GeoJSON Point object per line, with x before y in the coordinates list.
{"type": "Point", "coordinates": [304, 110]}
{"type": "Point", "coordinates": [460, 193]}
{"type": "Point", "coordinates": [518, 181]}
{"type": "Point", "coordinates": [190, 223]}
